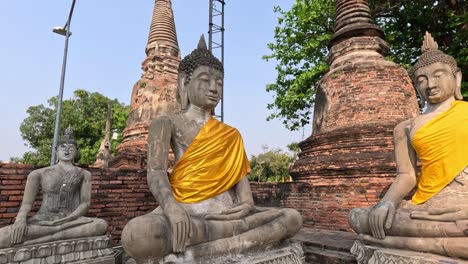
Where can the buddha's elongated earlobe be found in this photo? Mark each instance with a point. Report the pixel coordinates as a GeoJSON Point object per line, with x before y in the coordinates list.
{"type": "Point", "coordinates": [183, 92]}
{"type": "Point", "coordinates": [458, 93]}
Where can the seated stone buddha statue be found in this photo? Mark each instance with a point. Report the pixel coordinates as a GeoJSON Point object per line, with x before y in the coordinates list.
{"type": "Point", "coordinates": [436, 218]}
{"type": "Point", "coordinates": [66, 197]}
{"type": "Point", "coordinates": [205, 204]}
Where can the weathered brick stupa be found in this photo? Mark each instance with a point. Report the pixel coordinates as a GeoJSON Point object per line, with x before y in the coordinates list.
{"type": "Point", "coordinates": [155, 93]}
{"type": "Point", "coordinates": [358, 103]}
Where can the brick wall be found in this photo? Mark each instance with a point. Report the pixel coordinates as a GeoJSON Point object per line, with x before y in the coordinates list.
{"type": "Point", "coordinates": [357, 107]}
{"type": "Point", "coordinates": [323, 202]}
{"type": "Point", "coordinates": [364, 93]}
{"type": "Point", "coordinates": [120, 195]}
{"type": "Point", "coordinates": [12, 182]}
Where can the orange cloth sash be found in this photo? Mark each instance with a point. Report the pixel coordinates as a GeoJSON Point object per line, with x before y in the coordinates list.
{"type": "Point", "coordinates": [213, 163]}
{"type": "Point", "coordinates": [442, 147]}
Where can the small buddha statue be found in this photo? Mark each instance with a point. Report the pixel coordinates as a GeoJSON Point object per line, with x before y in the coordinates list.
{"type": "Point", "coordinates": [205, 204]}
{"type": "Point", "coordinates": [435, 220]}
{"type": "Point", "coordinates": [66, 197]}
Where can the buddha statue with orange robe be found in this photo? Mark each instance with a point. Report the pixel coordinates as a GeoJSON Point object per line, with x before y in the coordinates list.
{"type": "Point", "coordinates": [436, 218]}
{"type": "Point", "coordinates": [205, 204]}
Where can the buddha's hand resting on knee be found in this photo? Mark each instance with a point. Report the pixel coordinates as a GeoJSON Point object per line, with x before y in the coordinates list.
{"type": "Point", "coordinates": [181, 226]}
{"type": "Point", "coordinates": [381, 218]}
{"type": "Point", "coordinates": [57, 221]}
{"type": "Point", "coordinates": [237, 212]}
{"type": "Point", "coordinates": [449, 214]}
{"type": "Point", "coordinates": [18, 230]}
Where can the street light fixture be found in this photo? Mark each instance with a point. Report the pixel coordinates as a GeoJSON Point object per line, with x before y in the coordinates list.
{"type": "Point", "coordinates": [64, 31]}
{"type": "Point", "coordinates": [61, 31]}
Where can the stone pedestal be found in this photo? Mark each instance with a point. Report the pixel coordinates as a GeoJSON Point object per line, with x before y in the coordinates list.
{"type": "Point", "coordinates": [92, 250]}
{"type": "Point", "coordinates": [287, 252]}
{"type": "Point", "coordinates": [375, 255]}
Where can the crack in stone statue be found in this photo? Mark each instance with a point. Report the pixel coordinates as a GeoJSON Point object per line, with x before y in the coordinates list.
{"type": "Point", "coordinates": [206, 205]}
{"type": "Point", "coordinates": [436, 220]}
{"type": "Point", "coordinates": [66, 197]}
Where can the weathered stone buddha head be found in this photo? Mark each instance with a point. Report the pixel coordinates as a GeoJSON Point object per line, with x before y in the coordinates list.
{"type": "Point", "coordinates": [436, 75]}
{"type": "Point", "coordinates": [200, 78]}
{"type": "Point", "coordinates": [67, 147]}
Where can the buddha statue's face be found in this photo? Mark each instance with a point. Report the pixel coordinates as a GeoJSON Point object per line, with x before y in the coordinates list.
{"type": "Point", "coordinates": [205, 87]}
{"type": "Point", "coordinates": [436, 82]}
{"type": "Point", "coordinates": [66, 152]}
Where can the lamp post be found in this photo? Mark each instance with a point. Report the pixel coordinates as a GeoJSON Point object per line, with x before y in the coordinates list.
{"type": "Point", "coordinates": [64, 31]}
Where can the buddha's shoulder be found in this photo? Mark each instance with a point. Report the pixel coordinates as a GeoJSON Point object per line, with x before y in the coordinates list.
{"type": "Point", "coordinates": [166, 120]}
{"type": "Point", "coordinates": [231, 129]}
{"type": "Point", "coordinates": [462, 104]}
{"type": "Point", "coordinates": [40, 171]}
{"type": "Point", "coordinates": [43, 171]}
{"type": "Point", "coordinates": [406, 125]}
{"type": "Point", "coordinates": [83, 172]}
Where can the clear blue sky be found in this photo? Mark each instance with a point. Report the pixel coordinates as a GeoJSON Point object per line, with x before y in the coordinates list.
{"type": "Point", "coordinates": [106, 51]}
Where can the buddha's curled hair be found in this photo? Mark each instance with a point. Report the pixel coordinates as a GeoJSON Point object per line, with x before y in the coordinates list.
{"type": "Point", "coordinates": [432, 54]}
{"type": "Point", "coordinates": [200, 56]}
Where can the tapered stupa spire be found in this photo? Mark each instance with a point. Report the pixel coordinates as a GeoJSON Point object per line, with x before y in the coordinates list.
{"type": "Point", "coordinates": [355, 34]}
{"type": "Point", "coordinates": [156, 92]}
{"type": "Point", "coordinates": [353, 19]}
{"type": "Point", "coordinates": [162, 29]}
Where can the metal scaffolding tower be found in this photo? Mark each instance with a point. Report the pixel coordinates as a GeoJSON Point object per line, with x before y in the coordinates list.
{"type": "Point", "coordinates": [216, 37]}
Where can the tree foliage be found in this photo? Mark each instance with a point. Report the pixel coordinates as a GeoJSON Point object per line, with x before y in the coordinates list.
{"type": "Point", "coordinates": [303, 33]}
{"type": "Point", "coordinates": [295, 149]}
{"type": "Point", "coordinates": [270, 166]}
{"type": "Point", "coordinates": [85, 112]}
{"type": "Point", "coordinates": [300, 50]}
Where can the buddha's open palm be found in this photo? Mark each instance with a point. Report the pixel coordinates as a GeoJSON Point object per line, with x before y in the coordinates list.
{"type": "Point", "coordinates": [238, 212]}
{"type": "Point", "coordinates": [53, 222]}
{"type": "Point", "coordinates": [449, 214]}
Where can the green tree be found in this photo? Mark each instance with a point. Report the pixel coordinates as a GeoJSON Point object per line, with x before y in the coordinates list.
{"type": "Point", "coordinates": [85, 112]}
{"type": "Point", "coordinates": [270, 166]}
{"type": "Point", "coordinates": [295, 149]}
{"type": "Point", "coordinates": [303, 32]}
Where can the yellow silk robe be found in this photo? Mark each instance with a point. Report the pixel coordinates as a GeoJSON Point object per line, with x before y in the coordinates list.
{"type": "Point", "coordinates": [213, 163]}
{"type": "Point", "coordinates": [442, 147]}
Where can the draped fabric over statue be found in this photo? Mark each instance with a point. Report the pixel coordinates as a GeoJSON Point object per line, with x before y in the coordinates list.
{"type": "Point", "coordinates": [213, 163]}
{"type": "Point", "coordinates": [442, 146]}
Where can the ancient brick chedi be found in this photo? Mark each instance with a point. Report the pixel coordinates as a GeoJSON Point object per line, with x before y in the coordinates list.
{"type": "Point", "coordinates": [156, 92]}
{"type": "Point", "coordinates": [358, 103]}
